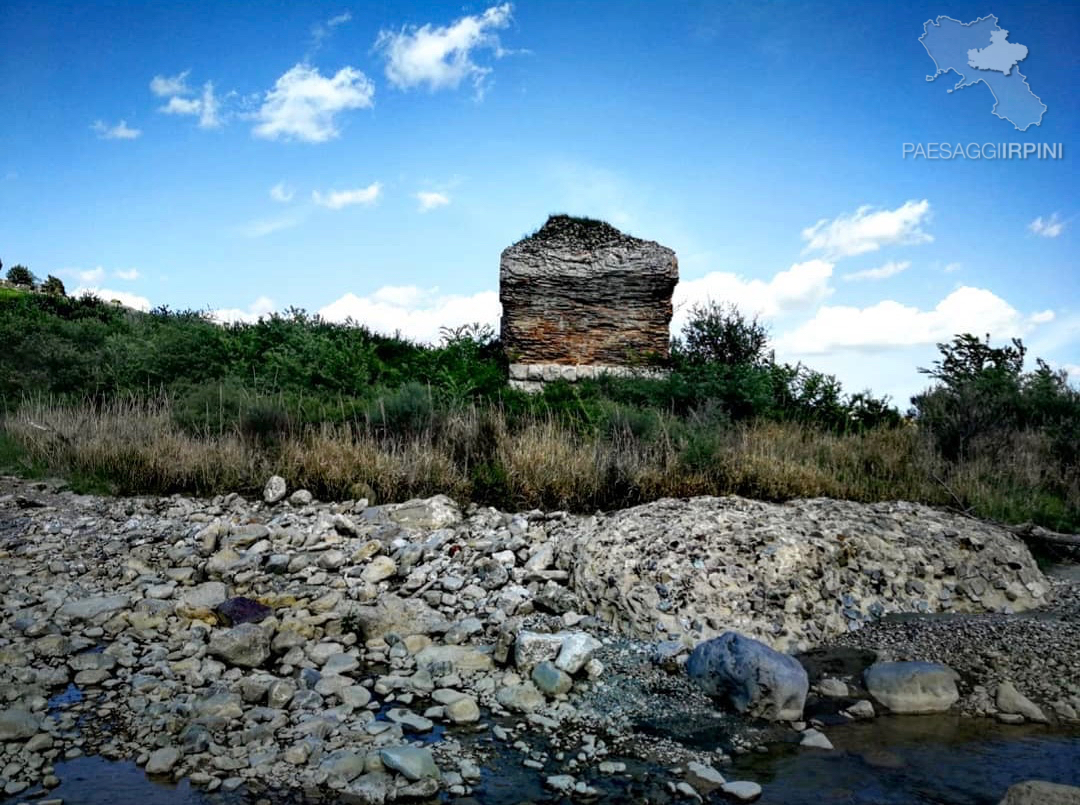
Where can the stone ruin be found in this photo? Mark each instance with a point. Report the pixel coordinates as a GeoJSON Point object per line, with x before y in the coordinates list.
{"type": "Point", "coordinates": [580, 298]}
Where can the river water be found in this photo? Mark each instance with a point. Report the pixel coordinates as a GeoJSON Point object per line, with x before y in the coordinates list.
{"type": "Point", "coordinates": [893, 760]}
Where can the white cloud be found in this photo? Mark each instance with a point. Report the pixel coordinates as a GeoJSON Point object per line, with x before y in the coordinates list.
{"type": "Point", "coordinates": [88, 276]}
{"type": "Point", "coordinates": [123, 297]}
{"type": "Point", "coordinates": [429, 200]}
{"type": "Point", "coordinates": [209, 117]}
{"type": "Point", "coordinates": [263, 306]}
{"type": "Point", "coordinates": [1047, 227]}
{"type": "Point", "coordinates": [952, 267]}
{"type": "Point", "coordinates": [416, 313]}
{"type": "Point", "coordinates": [890, 269]}
{"type": "Point", "coordinates": [282, 192]}
{"type": "Point", "coordinates": [267, 226]}
{"type": "Point", "coordinates": [336, 199]}
{"type": "Point", "coordinates": [164, 86]}
{"type": "Point", "coordinates": [867, 230]}
{"type": "Point", "coordinates": [321, 30]}
{"type": "Point", "coordinates": [93, 276]}
{"type": "Point", "coordinates": [1042, 317]}
{"type": "Point", "coordinates": [181, 106]}
{"type": "Point", "coordinates": [442, 57]}
{"type": "Point", "coordinates": [889, 324]}
{"type": "Point", "coordinates": [800, 287]}
{"type": "Point", "coordinates": [121, 131]}
{"type": "Point", "coordinates": [303, 105]}
{"type": "Point", "coordinates": [207, 107]}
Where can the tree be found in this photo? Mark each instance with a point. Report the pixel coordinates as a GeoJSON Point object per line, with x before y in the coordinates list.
{"type": "Point", "coordinates": [967, 359]}
{"type": "Point", "coordinates": [21, 276]}
{"type": "Point", "coordinates": [719, 333]}
{"type": "Point", "coordinates": [53, 286]}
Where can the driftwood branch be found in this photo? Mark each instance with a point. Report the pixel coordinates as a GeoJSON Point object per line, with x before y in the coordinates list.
{"type": "Point", "coordinates": [1040, 534]}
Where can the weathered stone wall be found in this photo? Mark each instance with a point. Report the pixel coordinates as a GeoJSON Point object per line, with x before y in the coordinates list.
{"type": "Point", "coordinates": [580, 293]}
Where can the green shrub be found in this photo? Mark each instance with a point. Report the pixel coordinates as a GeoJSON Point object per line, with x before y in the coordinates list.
{"type": "Point", "coordinates": [405, 411]}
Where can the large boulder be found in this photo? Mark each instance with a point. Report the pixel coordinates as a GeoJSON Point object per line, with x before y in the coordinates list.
{"type": "Point", "coordinates": [912, 687]}
{"type": "Point", "coordinates": [1038, 792]}
{"type": "Point", "coordinates": [749, 677]}
{"type": "Point", "coordinates": [813, 570]}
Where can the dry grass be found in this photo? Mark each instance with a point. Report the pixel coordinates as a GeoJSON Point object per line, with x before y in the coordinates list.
{"type": "Point", "coordinates": [135, 446]}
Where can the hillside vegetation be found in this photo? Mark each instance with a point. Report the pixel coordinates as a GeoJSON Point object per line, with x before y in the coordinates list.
{"type": "Point", "coordinates": [170, 401]}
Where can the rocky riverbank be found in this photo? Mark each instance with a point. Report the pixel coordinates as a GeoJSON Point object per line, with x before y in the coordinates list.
{"type": "Point", "coordinates": [297, 649]}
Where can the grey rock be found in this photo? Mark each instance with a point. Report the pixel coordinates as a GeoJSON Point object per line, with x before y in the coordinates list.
{"type": "Point", "coordinates": [412, 762]}
{"type": "Point", "coordinates": [164, 760]}
{"type": "Point", "coordinates": [17, 725]}
{"type": "Point", "coordinates": [463, 710]}
{"type": "Point", "coordinates": [91, 608]}
{"type": "Point", "coordinates": [246, 645]}
{"type": "Point", "coordinates": [1038, 792]}
{"type": "Point", "coordinates": [345, 764]}
{"type": "Point", "coordinates": [832, 687]}
{"type": "Point", "coordinates": [861, 710]}
{"type": "Point", "coordinates": [340, 663]}
{"type": "Point", "coordinates": [533, 647]}
{"type": "Point", "coordinates": [524, 698]}
{"type": "Point", "coordinates": [492, 573]}
{"type": "Point", "coordinates": [1010, 700]}
{"type": "Point", "coordinates": [281, 692]}
{"type": "Point", "coordinates": [421, 789]}
{"type": "Point", "coordinates": [275, 489]}
{"type": "Point", "coordinates": [404, 616]}
{"type": "Point", "coordinates": [199, 602]}
{"type": "Point", "coordinates": [373, 788]}
{"type": "Point", "coordinates": [749, 677]}
{"type": "Point", "coordinates": [912, 687]}
{"type": "Point", "coordinates": [815, 739]}
{"type": "Point", "coordinates": [576, 650]}
{"type": "Point", "coordinates": [702, 777]}
{"type": "Point", "coordinates": [430, 513]}
{"type": "Point", "coordinates": [550, 679]}
{"type": "Point", "coordinates": [409, 719]}
{"type": "Point", "coordinates": [461, 658]}
{"type": "Point", "coordinates": [563, 783]}
{"type": "Point", "coordinates": [301, 497]}
{"type": "Point", "coordinates": [742, 790]}
{"type": "Point", "coordinates": [380, 568]}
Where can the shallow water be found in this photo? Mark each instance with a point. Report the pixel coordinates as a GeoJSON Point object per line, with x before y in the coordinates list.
{"type": "Point", "coordinates": [97, 781]}
{"type": "Point", "coordinates": [892, 760]}
{"type": "Point", "coordinates": [916, 760]}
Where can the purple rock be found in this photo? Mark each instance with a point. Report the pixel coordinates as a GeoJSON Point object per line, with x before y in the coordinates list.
{"type": "Point", "coordinates": [239, 610]}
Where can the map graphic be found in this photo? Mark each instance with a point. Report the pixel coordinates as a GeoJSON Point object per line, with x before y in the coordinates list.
{"type": "Point", "coordinates": [980, 51]}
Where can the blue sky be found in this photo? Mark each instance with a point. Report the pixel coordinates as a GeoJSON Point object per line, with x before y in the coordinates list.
{"type": "Point", "coordinates": [373, 159]}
